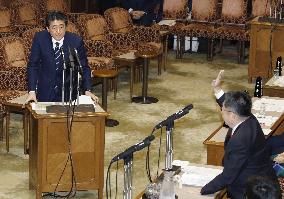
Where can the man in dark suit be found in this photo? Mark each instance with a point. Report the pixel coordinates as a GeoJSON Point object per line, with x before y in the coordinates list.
{"type": "Point", "coordinates": [245, 151]}
{"type": "Point", "coordinates": [143, 12]}
{"type": "Point", "coordinates": [45, 66]}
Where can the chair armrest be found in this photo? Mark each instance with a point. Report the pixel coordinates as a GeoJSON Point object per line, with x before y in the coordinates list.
{"type": "Point", "coordinates": [98, 48]}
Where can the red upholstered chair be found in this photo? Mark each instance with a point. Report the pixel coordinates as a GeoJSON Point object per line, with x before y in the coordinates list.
{"type": "Point", "coordinates": [201, 24]}
{"type": "Point", "coordinates": [26, 15]}
{"type": "Point", "coordinates": [261, 7]}
{"type": "Point", "coordinates": [100, 50]}
{"type": "Point", "coordinates": [120, 21]}
{"type": "Point", "coordinates": [6, 23]}
{"type": "Point", "coordinates": [175, 9]}
{"type": "Point", "coordinates": [232, 25]}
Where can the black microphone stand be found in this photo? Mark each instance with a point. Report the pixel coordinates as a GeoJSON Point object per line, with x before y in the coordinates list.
{"type": "Point", "coordinates": [128, 164]}
{"type": "Point", "coordinates": [63, 77]}
{"type": "Point", "coordinates": [71, 58]}
{"type": "Point", "coordinates": [79, 74]}
{"type": "Point", "coordinates": [169, 145]}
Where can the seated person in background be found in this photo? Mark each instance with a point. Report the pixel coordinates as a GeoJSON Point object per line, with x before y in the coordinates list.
{"type": "Point", "coordinates": [258, 187]}
{"type": "Point", "coordinates": [245, 154]}
{"type": "Point", "coordinates": [143, 12]}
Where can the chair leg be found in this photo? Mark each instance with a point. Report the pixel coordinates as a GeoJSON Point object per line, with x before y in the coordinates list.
{"type": "Point", "coordinates": [2, 115]}
{"type": "Point", "coordinates": [241, 52]}
{"type": "Point", "coordinates": [115, 87]}
{"type": "Point", "coordinates": [210, 49]}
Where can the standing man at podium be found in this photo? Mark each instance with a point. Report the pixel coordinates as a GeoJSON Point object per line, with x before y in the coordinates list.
{"type": "Point", "coordinates": [45, 65]}
{"type": "Point", "coordinates": [245, 152]}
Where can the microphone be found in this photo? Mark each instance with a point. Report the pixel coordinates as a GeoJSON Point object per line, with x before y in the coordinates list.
{"type": "Point", "coordinates": [71, 58]}
{"type": "Point", "coordinates": [78, 61]}
{"type": "Point", "coordinates": [137, 147]}
{"type": "Point", "coordinates": [174, 116]}
{"type": "Point", "coordinates": [63, 58]}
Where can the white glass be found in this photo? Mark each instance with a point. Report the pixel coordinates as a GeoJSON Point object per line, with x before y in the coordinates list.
{"type": "Point", "coordinates": [168, 186]}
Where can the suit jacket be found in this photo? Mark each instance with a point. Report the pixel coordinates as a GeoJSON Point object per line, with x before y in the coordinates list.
{"type": "Point", "coordinates": [245, 156]}
{"type": "Point", "coordinates": [42, 74]}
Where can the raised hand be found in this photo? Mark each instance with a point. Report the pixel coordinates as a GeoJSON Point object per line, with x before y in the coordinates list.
{"type": "Point", "coordinates": [216, 83]}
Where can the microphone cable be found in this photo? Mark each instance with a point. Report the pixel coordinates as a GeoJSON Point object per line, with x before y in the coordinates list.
{"type": "Point", "coordinates": [72, 192]}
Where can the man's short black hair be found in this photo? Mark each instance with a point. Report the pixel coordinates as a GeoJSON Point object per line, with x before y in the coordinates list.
{"type": "Point", "coordinates": [55, 15]}
{"type": "Point", "coordinates": [239, 102]}
{"type": "Point", "coordinates": [259, 187]}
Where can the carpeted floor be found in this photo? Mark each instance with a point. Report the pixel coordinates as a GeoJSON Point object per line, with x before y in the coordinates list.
{"type": "Point", "coordinates": [186, 81]}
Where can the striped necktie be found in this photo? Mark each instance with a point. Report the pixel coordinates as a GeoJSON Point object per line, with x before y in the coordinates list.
{"type": "Point", "coordinates": [57, 55]}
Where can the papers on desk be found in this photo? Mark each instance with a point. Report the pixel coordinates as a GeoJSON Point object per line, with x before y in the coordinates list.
{"type": "Point", "coordinates": [273, 105]}
{"type": "Point", "coordinates": [267, 120]}
{"type": "Point", "coordinates": [167, 22]}
{"type": "Point", "coordinates": [198, 176]}
{"type": "Point", "coordinates": [278, 81]}
{"type": "Point", "coordinates": [41, 106]}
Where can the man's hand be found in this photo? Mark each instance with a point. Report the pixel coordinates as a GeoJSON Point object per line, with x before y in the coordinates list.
{"type": "Point", "coordinates": [31, 97]}
{"type": "Point", "coordinates": [137, 14]}
{"type": "Point", "coordinates": [94, 98]}
{"type": "Point", "coordinates": [217, 82]}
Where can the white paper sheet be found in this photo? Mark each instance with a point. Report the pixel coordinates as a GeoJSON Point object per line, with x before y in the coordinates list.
{"type": "Point", "coordinates": [198, 176]}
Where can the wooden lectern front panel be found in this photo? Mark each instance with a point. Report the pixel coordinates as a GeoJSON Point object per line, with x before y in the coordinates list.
{"type": "Point", "coordinates": [50, 153]}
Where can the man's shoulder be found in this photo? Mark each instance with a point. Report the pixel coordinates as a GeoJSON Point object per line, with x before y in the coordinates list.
{"type": "Point", "coordinates": [72, 36]}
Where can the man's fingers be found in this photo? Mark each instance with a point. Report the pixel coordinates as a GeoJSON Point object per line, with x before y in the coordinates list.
{"type": "Point", "coordinates": [220, 75]}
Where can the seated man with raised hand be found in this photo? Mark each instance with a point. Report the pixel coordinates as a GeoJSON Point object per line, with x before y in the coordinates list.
{"type": "Point", "coordinates": [245, 152]}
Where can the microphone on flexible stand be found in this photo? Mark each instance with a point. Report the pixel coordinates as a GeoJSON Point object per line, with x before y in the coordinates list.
{"type": "Point", "coordinates": [63, 76]}
{"type": "Point", "coordinates": [174, 116]}
{"type": "Point", "coordinates": [78, 61]}
{"type": "Point", "coordinates": [137, 147]}
{"type": "Point", "coordinates": [71, 59]}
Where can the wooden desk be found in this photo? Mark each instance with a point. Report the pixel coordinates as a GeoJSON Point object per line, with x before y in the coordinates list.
{"type": "Point", "coordinates": [271, 89]}
{"type": "Point", "coordinates": [49, 151]}
{"type": "Point", "coordinates": [263, 37]}
{"type": "Point", "coordinates": [15, 105]}
{"type": "Point", "coordinates": [215, 142]}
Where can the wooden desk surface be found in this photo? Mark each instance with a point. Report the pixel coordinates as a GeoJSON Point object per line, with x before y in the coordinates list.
{"type": "Point", "coordinates": [193, 191]}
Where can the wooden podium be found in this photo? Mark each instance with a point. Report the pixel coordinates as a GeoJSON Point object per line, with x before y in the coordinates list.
{"type": "Point", "coordinates": [266, 44]}
{"type": "Point", "coordinates": [48, 150]}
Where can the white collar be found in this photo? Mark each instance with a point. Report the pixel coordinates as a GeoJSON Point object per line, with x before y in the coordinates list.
{"type": "Point", "coordinates": [235, 127]}
{"type": "Point", "coordinates": [54, 41]}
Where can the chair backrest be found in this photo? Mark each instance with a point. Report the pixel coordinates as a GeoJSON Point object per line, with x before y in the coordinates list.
{"type": "Point", "coordinates": [175, 9]}
{"type": "Point", "coordinates": [234, 11]}
{"type": "Point", "coordinates": [59, 5]}
{"type": "Point", "coordinates": [28, 37]}
{"type": "Point", "coordinates": [6, 20]}
{"type": "Point", "coordinates": [93, 26]}
{"type": "Point", "coordinates": [72, 27]}
{"type": "Point", "coordinates": [204, 10]}
{"type": "Point", "coordinates": [262, 7]}
{"type": "Point", "coordinates": [26, 13]}
{"type": "Point", "coordinates": [12, 52]}
{"type": "Point", "coordinates": [118, 19]}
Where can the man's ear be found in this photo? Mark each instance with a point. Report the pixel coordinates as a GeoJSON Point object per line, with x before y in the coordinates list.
{"type": "Point", "coordinates": [47, 28]}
